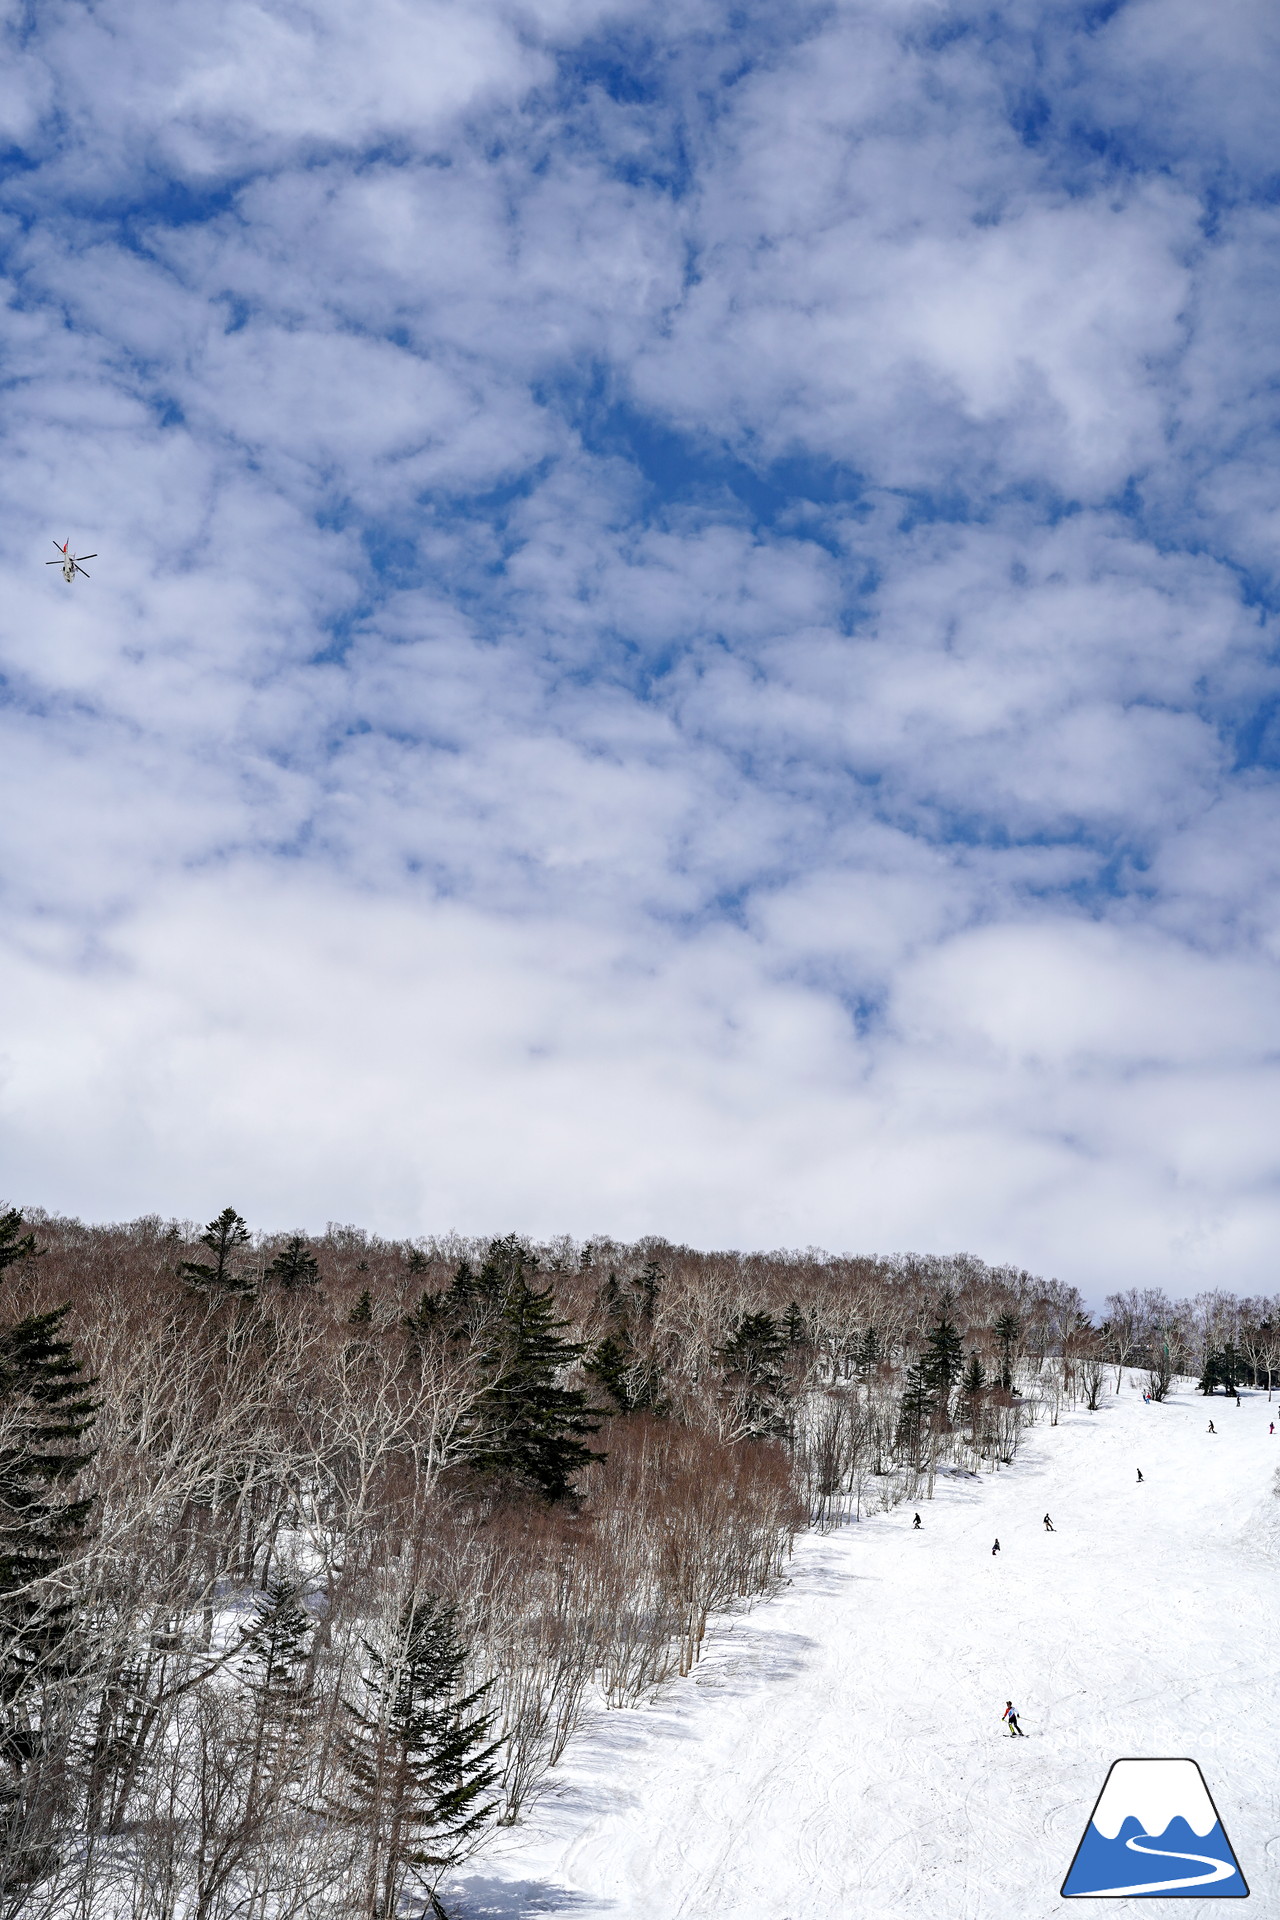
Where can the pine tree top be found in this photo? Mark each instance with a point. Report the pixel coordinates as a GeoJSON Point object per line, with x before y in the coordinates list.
{"type": "Point", "coordinates": [755, 1346]}
{"type": "Point", "coordinates": [15, 1246]}
{"type": "Point", "coordinates": [295, 1266]}
{"type": "Point", "coordinates": [225, 1237]}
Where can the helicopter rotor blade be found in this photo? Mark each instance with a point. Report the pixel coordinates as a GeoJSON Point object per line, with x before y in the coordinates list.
{"type": "Point", "coordinates": [53, 563]}
{"type": "Point", "coordinates": [80, 569]}
{"type": "Point", "coordinates": [84, 556]}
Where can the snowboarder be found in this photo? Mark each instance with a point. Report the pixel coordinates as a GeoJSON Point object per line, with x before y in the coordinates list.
{"type": "Point", "coordinates": [996, 1547]}
{"type": "Point", "coordinates": [1212, 1428]}
{"type": "Point", "coordinates": [1139, 1476]}
{"type": "Point", "coordinates": [1011, 1715]}
{"type": "Point", "coordinates": [1048, 1525]}
{"type": "Point", "coordinates": [916, 1522]}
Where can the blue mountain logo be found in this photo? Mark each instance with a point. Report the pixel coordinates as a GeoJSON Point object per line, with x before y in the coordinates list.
{"type": "Point", "coordinates": [1154, 1833]}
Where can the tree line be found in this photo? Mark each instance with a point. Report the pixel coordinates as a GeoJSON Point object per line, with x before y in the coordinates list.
{"type": "Point", "coordinates": [315, 1551]}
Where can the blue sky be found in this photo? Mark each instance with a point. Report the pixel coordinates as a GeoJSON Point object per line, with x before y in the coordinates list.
{"type": "Point", "coordinates": [683, 638]}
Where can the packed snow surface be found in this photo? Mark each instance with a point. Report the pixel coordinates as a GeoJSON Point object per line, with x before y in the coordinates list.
{"type": "Point", "coordinates": [839, 1753]}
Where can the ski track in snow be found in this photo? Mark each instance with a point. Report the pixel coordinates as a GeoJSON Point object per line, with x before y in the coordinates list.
{"type": "Point", "coordinates": [839, 1750]}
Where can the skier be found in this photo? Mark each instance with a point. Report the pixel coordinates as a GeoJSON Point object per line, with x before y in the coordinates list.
{"type": "Point", "coordinates": [915, 1523]}
{"type": "Point", "coordinates": [1139, 1476]}
{"type": "Point", "coordinates": [1212, 1428]}
{"type": "Point", "coordinates": [1011, 1715]}
{"type": "Point", "coordinates": [1239, 1401]}
{"type": "Point", "coordinates": [1273, 1426]}
{"type": "Point", "coordinates": [1048, 1525]}
{"type": "Point", "coordinates": [996, 1547]}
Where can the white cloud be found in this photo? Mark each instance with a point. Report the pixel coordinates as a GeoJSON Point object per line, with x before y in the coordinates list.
{"type": "Point", "coordinates": [507, 768]}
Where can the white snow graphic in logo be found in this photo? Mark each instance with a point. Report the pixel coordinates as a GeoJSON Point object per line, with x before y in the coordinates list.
{"type": "Point", "coordinates": [1156, 1833]}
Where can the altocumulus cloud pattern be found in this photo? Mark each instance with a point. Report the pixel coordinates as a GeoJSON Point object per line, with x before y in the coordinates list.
{"type": "Point", "coordinates": [683, 637]}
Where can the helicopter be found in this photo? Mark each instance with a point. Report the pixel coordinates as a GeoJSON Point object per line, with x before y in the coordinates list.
{"type": "Point", "coordinates": [70, 562]}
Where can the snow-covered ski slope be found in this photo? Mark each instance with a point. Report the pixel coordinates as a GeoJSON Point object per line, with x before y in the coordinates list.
{"type": "Point", "coordinates": [840, 1753]}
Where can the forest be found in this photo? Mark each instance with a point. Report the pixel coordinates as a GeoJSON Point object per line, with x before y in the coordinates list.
{"type": "Point", "coordinates": [316, 1551]}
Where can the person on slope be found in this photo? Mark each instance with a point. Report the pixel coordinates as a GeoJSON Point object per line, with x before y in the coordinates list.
{"type": "Point", "coordinates": [1011, 1715]}
{"type": "Point", "coordinates": [1139, 1476]}
{"type": "Point", "coordinates": [1239, 1401]}
{"type": "Point", "coordinates": [1273, 1426]}
{"type": "Point", "coordinates": [1212, 1428]}
{"type": "Point", "coordinates": [916, 1523]}
{"type": "Point", "coordinates": [1048, 1525]}
{"type": "Point", "coordinates": [996, 1547]}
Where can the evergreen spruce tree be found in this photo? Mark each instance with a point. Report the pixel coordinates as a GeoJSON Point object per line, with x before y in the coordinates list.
{"type": "Point", "coordinates": [611, 1366]}
{"type": "Point", "coordinates": [225, 1238]}
{"type": "Point", "coordinates": [15, 1245]}
{"type": "Point", "coordinates": [418, 1262]}
{"type": "Point", "coordinates": [473, 1300]}
{"type": "Point", "coordinates": [46, 1410]}
{"type": "Point", "coordinates": [460, 1297]}
{"type": "Point", "coordinates": [752, 1358]}
{"type": "Point", "coordinates": [428, 1317]}
{"type": "Point", "coordinates": [630, 1375]}
{"type": "Point", "coordinates": [632, 1380]}
{"type": "Point", "coordinates": [795, 1327]}
{"type": "Point", "coordinates": [1008, 1330]}
{"type": "Point", "coordinates": [275, 1662]}
{"type": "Point", "coordinates": [915, 1412]}
{"type": "Point", "coordinates": [941, 1361]}
{"type": "Point", "coordinates": [869, 1351]}
{"type": "Point", "coordinates": [648, 1285]}
{"type": "Point", "coordinates": [1221, 1369]}
{"type": "Point", "coordinates": [527, 1428]}
{"type": "Point", "coordinates": [361, 1315]}
{"type": "Point", "coordinates": [971, 1388]}
{"type": "Point", "coordinates": [505, 1263]}
{"type": "Point", "coordinates": [275, 1672]}
{"type": "Point", "coordinates": [611, 1299]}
{"type": "Point", "coordinates": [296, 1266]}
{"type": "Point", "coordinates": [417, 1756]}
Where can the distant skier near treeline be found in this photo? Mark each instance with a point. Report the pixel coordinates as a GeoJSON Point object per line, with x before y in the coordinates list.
{"type": "Point", "coordinates": [1048, 1525]}
{"type": "Point", "coordinates": [996, 1547]}
{"type": "Point", "coordinates": [916, 1523]}
{"type": "Point", "coordinates": [1139, 1476]}
{"type": "Point", "coordinates": [1212, 1428]}
{"type": "Point", "coordinates": [1011, 1715]}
